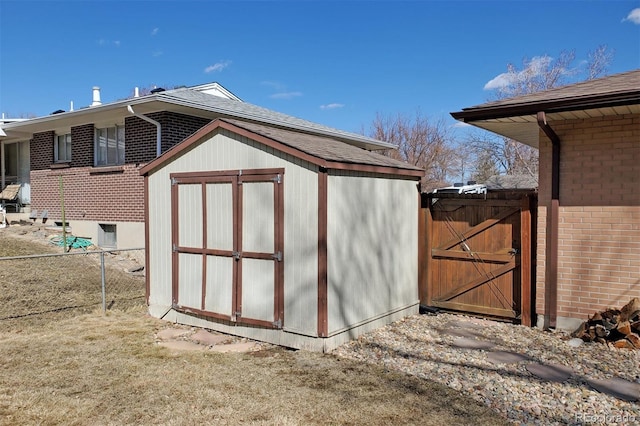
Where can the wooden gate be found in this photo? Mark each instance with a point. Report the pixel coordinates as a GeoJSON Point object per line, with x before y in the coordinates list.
{"type": "Point", "coordinates": [476, 253]}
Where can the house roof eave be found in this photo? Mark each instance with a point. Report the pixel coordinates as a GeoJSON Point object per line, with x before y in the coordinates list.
{"type": "Point", "coordinates": [491, 112]}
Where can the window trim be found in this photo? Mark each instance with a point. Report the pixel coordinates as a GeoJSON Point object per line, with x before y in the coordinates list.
{"type": "Point", "coordinates": [56, 151]}
{"type": "Point", "coordinates": [120, 146]}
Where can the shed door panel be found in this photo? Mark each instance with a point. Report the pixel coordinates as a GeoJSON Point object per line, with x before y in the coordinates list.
{"type": "Point", "coordinates": [190, 275]}
{"type": "Point", "coordinates": [258, 292]}
{"type": "Point", "coordinates": [190, 225]}
{"type": "Point", "coordinates": [219, 285]}
{"type": "Point", "coordinates": [220, 260]}
{"type": "Point", "coordinates": [190, 214]}
{"type": "Point", "coordinates": [258, 289]}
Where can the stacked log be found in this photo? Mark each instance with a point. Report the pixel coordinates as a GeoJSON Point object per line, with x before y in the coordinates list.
{"type": "Point", "coordinates": [617, 327]}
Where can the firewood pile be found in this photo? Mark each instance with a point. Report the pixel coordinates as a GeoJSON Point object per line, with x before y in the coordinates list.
{"type": "Point", "coordinates": [617, 327]}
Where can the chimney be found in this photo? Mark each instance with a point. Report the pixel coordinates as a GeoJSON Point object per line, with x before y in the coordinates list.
{"type": "Point", "coordinates": [96, 96]}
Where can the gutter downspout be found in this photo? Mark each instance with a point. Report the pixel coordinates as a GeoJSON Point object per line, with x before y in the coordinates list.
{"type": "Point", "coordinates": [551, 270]}
{"type": "Point", "coordinates": [155, 123]}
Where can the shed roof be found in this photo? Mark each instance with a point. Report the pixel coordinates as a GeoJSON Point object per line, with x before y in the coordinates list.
{"type": "Point", "coordinates": [516, 117]}
{"type": "Point", "coordinates": [323, 151]}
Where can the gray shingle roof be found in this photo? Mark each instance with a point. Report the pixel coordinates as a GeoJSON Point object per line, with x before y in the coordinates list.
{"type": "Point", "coordinates": [247, 111]}
{"type": "Point", "coordinates": [497, 182]}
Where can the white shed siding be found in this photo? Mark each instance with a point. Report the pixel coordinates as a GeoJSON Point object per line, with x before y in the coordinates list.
{"type": "Point", "coordinates": [372, 247]}
{"type": "Point", "coordinates": [228, 151]}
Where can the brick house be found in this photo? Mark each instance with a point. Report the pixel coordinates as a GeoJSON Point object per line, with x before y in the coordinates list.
{"type": "Point", "coordinates": [91, 157]}
{"type": "Point", "coordinates": [588, 231]}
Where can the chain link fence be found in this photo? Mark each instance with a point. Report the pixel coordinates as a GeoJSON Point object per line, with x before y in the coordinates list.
{"type": "Point", "coordinates": [44, 287]}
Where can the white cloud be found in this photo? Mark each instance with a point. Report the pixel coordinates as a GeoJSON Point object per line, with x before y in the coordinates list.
{"type": "Point", "coordinates": [274, 85]}
{"type": "Point", "coordinates": [331, 106]}
{"type": "Point", "coordinates": [502, 80]}
{"type": "Point", "coordinates": [633, 16]}
{"type": "Point", "coordinates": [535, 67]}
{"type": "Point", "coordinates": [155, 31]}
{"type": "Point", "coordinates": [285, 95]}
{"type": "Point", "coordinates": [105, 42]}
{"type": "Point", "coordinates": [218, 66]}
{"type": "Point", "coordinates": [459, 124]}
{"type": "Point", "coordinates": [157, 53]}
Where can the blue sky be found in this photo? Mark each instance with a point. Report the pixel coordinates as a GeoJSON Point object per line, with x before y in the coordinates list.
{"type": "Point", "coordinates": [338, 63]}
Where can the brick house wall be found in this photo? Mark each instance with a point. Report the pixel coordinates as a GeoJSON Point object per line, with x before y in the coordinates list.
{"type": "Point", "coordinates": [41, 151]}
{"type": "Point", "coordinates": [105, 194]}
{"type": "Point", "coordinates": [90, 194]}
{"type": "Point", "coordinates": [599, 215]}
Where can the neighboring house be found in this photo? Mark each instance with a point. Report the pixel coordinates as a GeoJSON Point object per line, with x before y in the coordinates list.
{"type": "Point", "coordinates": [14, 161]}
{"type": "Point", "coordinates": [511, 182]}
{"type": "Point", "coordinates": [292, 238]}
{"type": "Point", "coordinates": [91, 157]}
{"type": "Point", "coordinates": [588, 134]}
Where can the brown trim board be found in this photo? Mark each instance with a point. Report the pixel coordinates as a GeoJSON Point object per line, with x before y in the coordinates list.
{"type": "Point", "coordinates": [147, 256]}
{"type": "Point", "coordinates": [323, 326]}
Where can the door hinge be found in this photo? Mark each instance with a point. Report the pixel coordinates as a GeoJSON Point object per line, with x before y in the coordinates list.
{"type": "Point", "coordinates": [277, 256]}
{"type": "Point", "coordinates": [174, 181]}
{"type": "Point", "coordinates": [174, 248]}
{"type": "Point", "coordinates": [236, 255]}
{"type": "Point", "coordinates": [277, 179]}
{"type": "Point", "coordinates": [277, 324]}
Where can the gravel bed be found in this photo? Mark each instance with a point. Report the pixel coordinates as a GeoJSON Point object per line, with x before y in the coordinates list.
{"type": "Point", "coordinates": [425, 346]}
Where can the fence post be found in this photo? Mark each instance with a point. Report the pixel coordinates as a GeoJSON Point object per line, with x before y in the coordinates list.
{"type": "Point", "coordinates": [104, 290]}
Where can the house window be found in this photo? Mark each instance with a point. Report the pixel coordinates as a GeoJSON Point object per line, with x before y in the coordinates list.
{"type": "Point", "coordinates": [107, 236]}
{"type": "Point", "coordinates": [62, 150]}
{"type": "Point", "coordinates": [109, 146]}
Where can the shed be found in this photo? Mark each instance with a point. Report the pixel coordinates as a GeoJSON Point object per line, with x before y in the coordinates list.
{"type": "Point", "coordinates": [286, 237]}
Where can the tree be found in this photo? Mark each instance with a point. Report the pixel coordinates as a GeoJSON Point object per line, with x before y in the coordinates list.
{"type": "Point", "coordinates": [421, 142]}
{"type": "Point", "coordinates": [540, 73]}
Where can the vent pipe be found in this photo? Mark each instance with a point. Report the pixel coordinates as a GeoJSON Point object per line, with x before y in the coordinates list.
{"type": "Point", "coordinates": [136, 92]}
{"type": "Point", "coordinates": [96, 96]}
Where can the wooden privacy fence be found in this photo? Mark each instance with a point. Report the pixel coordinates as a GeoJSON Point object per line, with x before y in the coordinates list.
{"type": "Point", "coordinates": [477, 253]}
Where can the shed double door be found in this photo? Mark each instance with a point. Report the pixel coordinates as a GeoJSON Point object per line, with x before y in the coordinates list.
{"type": "Point", "coordinates": [227, 245]}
